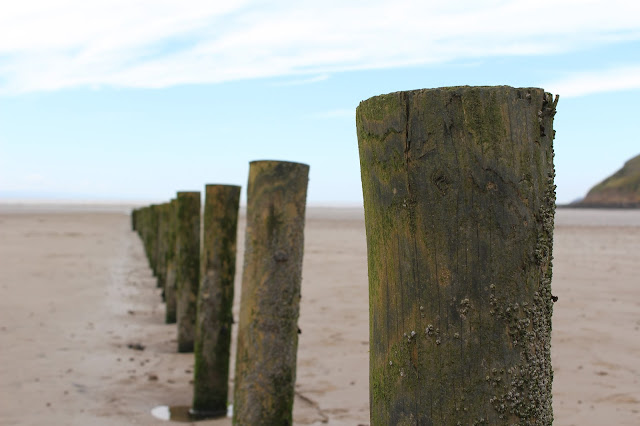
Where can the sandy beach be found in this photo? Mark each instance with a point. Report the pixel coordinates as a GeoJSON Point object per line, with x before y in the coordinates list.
{"type": "Point", "coordinates": [83, 339]}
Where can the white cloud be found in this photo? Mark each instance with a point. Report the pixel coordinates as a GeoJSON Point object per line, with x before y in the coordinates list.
{"type": "Point", "coordinates": [55, 44]}
{"type": "Point", "coordinates": [587, 83]}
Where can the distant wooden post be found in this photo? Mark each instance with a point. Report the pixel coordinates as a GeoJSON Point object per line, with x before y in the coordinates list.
{"type": "Point", "coordinates": [459, 204]}
{"type": "Point", "coordinates": [153, 238]}
{"type": "Point", "coordinates": [134, 213]}
{"type": "Point", "coordinates": [215, 300]}
{"type": "Point", "coordinates": [150, 237]}
{"type": "Point", "coordinates": [160, 245]}
{"type": "Point", "coordinates": [164, 230]}
{"type": "Point", "coordinates": [170, 261]}
{"type": "Point", "coordinates": [187, 259]}
{"type": "Point", "coordinates": [144, 230]}
{"type": "Point", "coordinates": [270, 301]}
{"type": "Point", "coordinates": [140, 221]}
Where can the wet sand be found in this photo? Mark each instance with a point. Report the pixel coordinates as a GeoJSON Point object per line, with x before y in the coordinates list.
{"type": "Point", "coordinates": [78, 302]}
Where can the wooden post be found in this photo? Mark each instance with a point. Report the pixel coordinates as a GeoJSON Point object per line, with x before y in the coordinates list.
{"type": "Point", "coordinates": [149, 235]}
{"type": "Point", "coordinates": [187, 259]}
{"type": "Point", "coordinates": [164, 224]}
{"type": "Point", "coordinates": [144, 230]}
{"type": "Point", "coordinates": [140, 221]}
{"type": "Point", "coordinates": [459, 204]}
{"type": "Point", "coordinates": [153, 238]}
{"type": "Point", "coordinates": [170, 272]}
{"type": "Point", "coordinates": [270, 301]}
{"type": "Point", "coordinates": [215, 300]}
{"type": "Point", "coordinates": [134, 214]}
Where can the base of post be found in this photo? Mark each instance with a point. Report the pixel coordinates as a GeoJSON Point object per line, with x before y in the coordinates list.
{"type": "Point", "coordinates": [207, 414]}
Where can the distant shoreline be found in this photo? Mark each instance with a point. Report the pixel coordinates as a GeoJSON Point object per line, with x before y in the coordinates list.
{"type": "Point", "coordinates": [618, 206]}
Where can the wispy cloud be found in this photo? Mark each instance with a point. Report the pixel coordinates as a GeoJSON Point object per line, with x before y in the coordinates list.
{"type": "Point", "coordinates": [56, 44]}
{"type": "Point", "coordinates": [587, 83]}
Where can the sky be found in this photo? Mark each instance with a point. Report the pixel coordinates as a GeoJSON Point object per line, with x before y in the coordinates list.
{"type": "Point", "coordinates": [133, 100]}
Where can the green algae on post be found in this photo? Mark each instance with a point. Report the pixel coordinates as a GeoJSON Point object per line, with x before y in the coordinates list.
{"type": "Point", "coordinates": [270, 301]}
{"type": "Point", "coordinates": [215, 299]}
{"type": "Point", "coordinates": [187, 264]}
{"type": "Point", "coordinates": [170, 262]}
{"type": "Point", "coordinates": [459, 197]}
{"type": "Point", "coordinates": [164, 223]}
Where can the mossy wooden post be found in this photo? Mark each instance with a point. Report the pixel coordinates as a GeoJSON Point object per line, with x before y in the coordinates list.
{"type": "Point", "coordinates": [134, 213]}
{"type": "Point", "coordinates": [215, 300]}
{"type": "Point", "coordinates": [187, 258]}
{"type": "Point", "coordinates": [270, 301]}
{"type": "Point", "coordinates": [140, 222]}
{"type": "Point", "coordinates": [459, 201]}
{"type": "Point", "coordinates": [143, 230]}
{"type": "Point", "coordinates": [164, 223]}
{"type": "Point", "coordinates": [151, 238]}
{"type": "Point", "coordinates": [170, 261]}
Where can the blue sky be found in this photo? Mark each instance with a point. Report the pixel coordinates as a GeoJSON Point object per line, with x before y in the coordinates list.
{"type": "Point", "coordinates": [137, 99]}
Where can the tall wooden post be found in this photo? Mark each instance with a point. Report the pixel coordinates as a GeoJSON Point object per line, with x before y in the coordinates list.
{"type": "Point", "coordinates": [170, 261]}
{"type": "Point", "coordinates": [270, 301]}
{"type": "Point", "coordinates": [187, 258]}
{"type": "Point", "coordinates": [215, 299]}
{"type": "Point", "coordinates": [459, 204]}
{"type": "Point", "coordinates": [153, 238]}
{"type": "Point", "coordinates": [163, 246]}
{"type": "Point", "coordinates": [146, 234]}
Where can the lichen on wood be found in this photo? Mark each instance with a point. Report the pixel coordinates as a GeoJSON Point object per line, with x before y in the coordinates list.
{"type": "Point", "coordinates": [169, 290]}
{"type": "Point", "coordinates": [459, 198]}
{"type": "Point", "coordinates": [187, 264]}
{"type": "Point", "coordinates": [215, 299]}
{"type": "Point", "coordinates": [269, 308]}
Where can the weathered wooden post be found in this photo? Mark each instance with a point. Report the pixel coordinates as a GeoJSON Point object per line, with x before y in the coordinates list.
{"type": "Point", "coordinates": [215, 300]}
{"type": "Point", "coordinates": [153, 238]}
{"type": "Point", "coordinates": [187, 259]}
{"type": "Point", "coordinates": [164, 223]}
{"type": "Point", "coordinates": [270, 301]}
{"type": "Point", "coordinates": [134, 213]}
{"type": "Point", "coordinates": [459, 205]}
{"type": "Point", "coordinates": [140, 221]}
{"type": "Point", "coordinates": [143, 225]}
{"type": "Point", "coordinates": [170, 261]}
{"type": "Point", "coordinates": [143, 229]}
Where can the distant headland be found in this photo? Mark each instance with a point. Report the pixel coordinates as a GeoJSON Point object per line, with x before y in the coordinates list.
{"type": "Point", "coordinates": [620, 190]}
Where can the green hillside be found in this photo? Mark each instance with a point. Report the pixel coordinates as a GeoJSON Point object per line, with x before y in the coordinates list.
{"type": "Point", "coordinates": [622, 189]}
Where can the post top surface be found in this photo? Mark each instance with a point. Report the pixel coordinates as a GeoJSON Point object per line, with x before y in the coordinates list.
{"type": "Point", "coordinates": [278, 161]}
{"type": "Point", "coordinates": [461, 89]}
{"type": "Point", "coordinates": [220, 185]}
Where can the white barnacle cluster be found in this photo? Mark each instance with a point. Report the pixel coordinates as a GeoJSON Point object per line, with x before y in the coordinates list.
{"type": "Point", "coordinates": [410, 336]}
{"type": "Point", "coordinates": [464, 307]}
